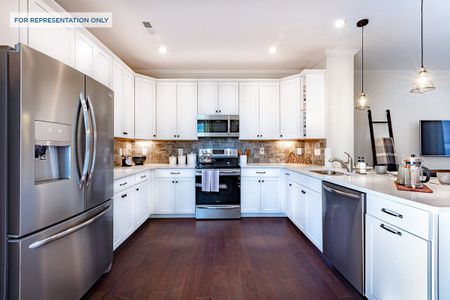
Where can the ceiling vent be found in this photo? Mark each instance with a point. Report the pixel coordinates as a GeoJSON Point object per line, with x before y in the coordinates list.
{"type": "Point", "coordinates": [147, 25]}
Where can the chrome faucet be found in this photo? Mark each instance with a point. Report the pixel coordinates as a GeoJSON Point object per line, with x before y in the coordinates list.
{"type": "Point", "coordinates": [346, 164]}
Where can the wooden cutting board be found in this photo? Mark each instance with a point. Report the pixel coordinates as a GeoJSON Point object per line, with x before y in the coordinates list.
{"type": "Point", "coordinates": [424, 189]}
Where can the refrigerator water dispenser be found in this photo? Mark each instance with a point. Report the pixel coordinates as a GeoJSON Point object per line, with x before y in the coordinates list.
{"type": "Point", "coordinates": [51, 152]}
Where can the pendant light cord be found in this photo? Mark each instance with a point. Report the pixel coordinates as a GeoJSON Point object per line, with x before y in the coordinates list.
{"type": "Point", "coordinates": [421, 33]}
{"type": "Point", "coordinates": [362, 59]}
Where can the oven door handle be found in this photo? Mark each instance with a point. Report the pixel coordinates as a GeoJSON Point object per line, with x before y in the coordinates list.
{"type": "Point", "coordinates": [219, 207]}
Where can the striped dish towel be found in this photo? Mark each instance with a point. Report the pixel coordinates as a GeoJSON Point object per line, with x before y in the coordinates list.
{"type": "Point", "coordinates": [385, 151]}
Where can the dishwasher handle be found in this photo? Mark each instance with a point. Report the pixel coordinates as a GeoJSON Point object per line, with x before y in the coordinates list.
{"type": "Point", "coordinates": [339, 192]}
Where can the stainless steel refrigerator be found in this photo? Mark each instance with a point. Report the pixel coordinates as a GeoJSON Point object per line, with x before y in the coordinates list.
{"type": "Point", "coordinates": [59, 178]}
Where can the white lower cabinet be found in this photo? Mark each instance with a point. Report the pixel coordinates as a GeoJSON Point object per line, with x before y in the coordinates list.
{"type": "Point", "coordinates": [131, 205]}
{"type": "Point", "coordinates": [314, 217]}
{"type": "Point", "coordinates": [123, 215]}
{"type": "Point", "coordinates": [260, 195]}
{"type": "Point", "coordinates": [397, 263]}
{"type": "Point", "coordinates": [141, 203]}
{"type": "Point", "coordinates": [175, 195]}
{"type": "Point", "coordinates": [299, 207]}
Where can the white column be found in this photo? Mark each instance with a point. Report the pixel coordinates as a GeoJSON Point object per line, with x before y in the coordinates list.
{"type": "Point", "coordinates": [340, 101]}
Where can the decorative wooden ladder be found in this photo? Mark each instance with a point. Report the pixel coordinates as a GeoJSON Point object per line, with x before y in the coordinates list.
{"type": "Point", "coordinates": [391, 167]}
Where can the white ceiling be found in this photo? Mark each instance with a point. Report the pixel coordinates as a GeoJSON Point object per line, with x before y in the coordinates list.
{"type": "Point", "coordinates": [233, 36]}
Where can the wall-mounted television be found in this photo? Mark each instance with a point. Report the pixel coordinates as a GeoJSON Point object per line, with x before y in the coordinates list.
{"type": "Point", "coordinates": [435, 137]}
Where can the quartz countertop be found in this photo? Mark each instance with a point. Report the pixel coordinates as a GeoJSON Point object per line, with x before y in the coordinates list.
{"type": "Point", "coordinates": [371, 183]}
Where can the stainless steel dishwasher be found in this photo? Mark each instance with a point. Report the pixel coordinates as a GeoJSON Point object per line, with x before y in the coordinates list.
{"type": "Point", "coordinates": [343, 231]}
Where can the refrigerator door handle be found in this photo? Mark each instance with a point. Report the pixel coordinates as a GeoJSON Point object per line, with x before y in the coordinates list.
{"type": "Point", "coordinates": [94, 136]}
{"type": "Point", "coordinates": [87, 153]}
{"type": "Point", "coordinates": [66, 232]}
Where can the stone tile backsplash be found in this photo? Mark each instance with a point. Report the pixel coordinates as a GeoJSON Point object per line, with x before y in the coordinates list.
{"type": "Point", "coordinates": [274, 151]}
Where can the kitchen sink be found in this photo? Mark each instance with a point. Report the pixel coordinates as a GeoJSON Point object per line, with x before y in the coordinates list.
{"type": "Point", "coordinates": [327, 172]}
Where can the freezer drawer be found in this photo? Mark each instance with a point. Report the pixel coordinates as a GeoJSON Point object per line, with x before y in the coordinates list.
{"type": "Point", "coordinates": [64, 261]}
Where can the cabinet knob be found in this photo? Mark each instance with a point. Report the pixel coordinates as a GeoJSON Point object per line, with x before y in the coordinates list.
{"type": "Point", "coordinates": [137, 189]}
{"type": "Point", "coordinates": [290, 184]}
{"type": "Point", "coordinates": [126, 133]}
{"type": "Point", "coordinates": [154, 135]}
{"type": "Point", "coordinates": [220, 111]}
{"type": "Point", "coordinates": [262, 180]}
{"type": "Point", "coordinates": [303, 192]}
{"type": "Point", "coordinates": [281, 135]}
{"type": "Point", "coordinates": [178, 135]}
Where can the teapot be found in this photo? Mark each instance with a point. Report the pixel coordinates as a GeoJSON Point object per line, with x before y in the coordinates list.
{"type": "Point", "coordinates": [411, 172]}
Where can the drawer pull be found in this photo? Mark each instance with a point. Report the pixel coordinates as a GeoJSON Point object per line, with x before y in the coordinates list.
{"type": "Point", "coordinates": [259, 172]}
{"type": "Point", "coordinates": [175, 173]}
{"type": "Point", "coordinates": [392, 213]}
{"type": "Point", "coordinates": [122, 184]}
{"type": "Point", "coordinates": [387, 228]}
{"type": "Point", "coordinates": [124, 195]}
{"type": "Point", "coordinates": [303, 192]}
{"type": "Point", "coordinates": [287, 174]}
{"type": "Point", "coordinates": [143, 176]}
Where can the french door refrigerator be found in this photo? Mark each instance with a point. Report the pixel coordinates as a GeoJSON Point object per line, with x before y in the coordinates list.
{"type": "Point", "coordinates": [59, 177]}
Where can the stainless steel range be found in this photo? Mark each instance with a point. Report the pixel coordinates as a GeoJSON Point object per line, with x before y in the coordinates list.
{"type": "Point", "coordinates": [218, 184]}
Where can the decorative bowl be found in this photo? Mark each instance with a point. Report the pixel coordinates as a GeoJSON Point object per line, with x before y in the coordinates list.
{"type": "Point", "coordinates": [139, 160]}
{"type": "Point", "coordinates": [444, 178]}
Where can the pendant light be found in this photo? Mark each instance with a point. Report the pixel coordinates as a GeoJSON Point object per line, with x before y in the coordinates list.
{"type": "Point", "coordinates": [362, 103]}
{"type": "Point", "coordinates": [423, 81]}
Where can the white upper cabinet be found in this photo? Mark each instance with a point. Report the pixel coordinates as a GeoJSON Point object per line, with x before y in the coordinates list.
{"type": "Point", "coordinates": [313, 103]}
{"type": "Point", "coordinates": [290, 117]}
{"type": "Point", "coordinates": [166, 110]}
{"type": "Point", "coordinates": [187, 110]}
{"type": "Point", "coordinates": [123, 87]}
{"type": "Point", "coordinates": [55, 42]}
{"type": "Point", "coordinates": [102, 67]}
{"type": "Point", "coordinates": [84, 54]}
{"type": "Point", "coordinates": [249, 110]}
{"type": "Point", "coordinates": [259, 110]}
{"type": "Point", "coordinates": [145, 108]}
{"type": "Point", "coordinates": [207, 98]}
{"type": "Point", "coordinates": [269, 108]}
{"type": "Point", "coordinates": [228, 98]}
{"type": "Point", "coordinates": [176, 111]}
{"type": "Point", "coordinates": [220, 98]}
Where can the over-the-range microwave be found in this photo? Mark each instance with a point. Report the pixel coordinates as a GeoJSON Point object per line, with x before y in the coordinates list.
{"type": "Point", "coordinates": [217, 125]}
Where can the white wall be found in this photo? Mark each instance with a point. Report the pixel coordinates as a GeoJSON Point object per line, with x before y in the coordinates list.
{"type": "Point", "coordinates": [340, 101]}
{"type": "Point", "coordinates": [390, 90]}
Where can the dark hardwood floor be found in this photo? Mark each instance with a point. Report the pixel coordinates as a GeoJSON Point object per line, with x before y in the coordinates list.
{"type": "Point", "coordinates": [252, 258]}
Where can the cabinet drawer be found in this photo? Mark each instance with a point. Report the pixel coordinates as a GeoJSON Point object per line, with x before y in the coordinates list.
{"type": "Point", "coordinates": [263, 172]}
{"type": "Point", "coordinates": [307, 181]}
{"type": "Point", "coordinates": [413, 220]}
{"type": "Point", "coordinates": [142, 176]}
{"type": "Point", "coordinates": [124, 183]}
{"type": "Point", "coordinates": [175, 173]}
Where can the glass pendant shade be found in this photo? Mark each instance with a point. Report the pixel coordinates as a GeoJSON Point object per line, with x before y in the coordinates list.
{"type": "Point", "coordinates": [423, 82]}
{"type": "Point", "coordinates": [362, 103]}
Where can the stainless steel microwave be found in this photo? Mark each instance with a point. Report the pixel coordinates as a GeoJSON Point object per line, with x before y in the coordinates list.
{"type": "Point", "coordinates": [217, 125]}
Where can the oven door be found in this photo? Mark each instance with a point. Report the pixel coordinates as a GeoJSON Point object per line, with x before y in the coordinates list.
{"type": "Point", "coordinates": [229, 189]}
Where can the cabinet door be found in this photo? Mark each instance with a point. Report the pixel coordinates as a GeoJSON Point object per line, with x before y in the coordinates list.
{"type": "Point", "coordinates": [118, 93]}
{"type": "Point", "coordinates": [55, 42]}
{"type": "Point", "coordinates": [187, 110]}
{"type": "Point", "coordinates": [166, 110]}
{"type": "Point", "coordinates": [397, 263]}
{"type": "Point", "coordinates": [270, 195]}
{"type": "Point", "coordinates": [141, 200]}
{"type": "Point", "coordinates": [123, 215]}
{"type": "Point", "coordinates": [299, 208]}
{"type": "Point", "coordinates": [207, 98]}
{"type": "Point", "coordinates": [248, 110]}
{"type": "Point", "coordinates": [250, 195]}
{"type": "Point", "coordinates": [102, 67]}
{"type": "Point", "coordinates": [84, 54]}
{"type": "Point", "coordinates": [228, 98]}
{"type": "Point", "coordinates": [128, 104]}
{"type": "Point", "coordinates": [290, 197]}
{"type": "Point", "coordinates": [185, 196]}
{"type": "Point", "coordinates": [164, 196]}
{"type": "Point", "coordinates": [290, 116]}
{"type": "Point", "coordinates": [315, 105]}
{"type": "Point", "coordinates": [314, 217]}
{"type": "Point", "coordinates": [269, 110]}
{"type": "Point", "coordinates": [145, 109]}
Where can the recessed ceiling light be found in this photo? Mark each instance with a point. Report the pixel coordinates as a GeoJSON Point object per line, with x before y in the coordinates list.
{"type": "Point", "coordinates": [162, 49]}
{"type": "Point", "coordinates": [272, 49]}
{"type": "Point", "coordinates": [339, 23]}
